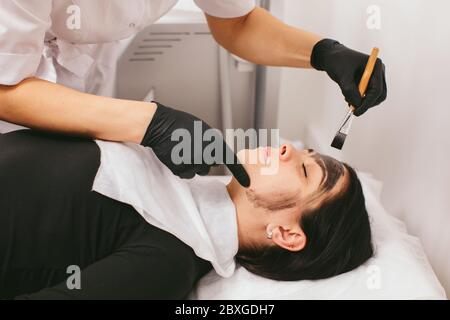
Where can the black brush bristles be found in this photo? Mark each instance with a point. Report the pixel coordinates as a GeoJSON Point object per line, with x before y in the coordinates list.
{"type": "Point", "coordinates": [339, 140]}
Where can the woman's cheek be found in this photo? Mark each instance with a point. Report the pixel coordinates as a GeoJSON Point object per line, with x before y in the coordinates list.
{"type": "Point", "coordinates": [272, 183]}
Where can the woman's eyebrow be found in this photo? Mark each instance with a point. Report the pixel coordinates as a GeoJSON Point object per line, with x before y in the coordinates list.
{"type": "Point", "coordinates": [332, 170]}
{"type": "Point", "coordinates": [321, 164]}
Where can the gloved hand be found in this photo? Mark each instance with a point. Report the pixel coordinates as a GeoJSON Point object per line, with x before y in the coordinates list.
{"type": "Point", "coordinates": [159, 137]}
{"type": "Point", "coordinates": [346, 66]}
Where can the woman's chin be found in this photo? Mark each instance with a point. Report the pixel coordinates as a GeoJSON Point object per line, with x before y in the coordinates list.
{"type": "Point", "coordinates": [253, 161]}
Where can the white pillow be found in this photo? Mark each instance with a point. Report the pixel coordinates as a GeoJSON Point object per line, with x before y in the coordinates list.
{"type": "Point", "coordinates": [398, 270]}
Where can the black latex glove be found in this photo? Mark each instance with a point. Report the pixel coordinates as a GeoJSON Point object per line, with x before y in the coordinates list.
{"type": "Point", "coordinates": [159, 137]}
{"type": "Point", "coordinates": [345, 67]}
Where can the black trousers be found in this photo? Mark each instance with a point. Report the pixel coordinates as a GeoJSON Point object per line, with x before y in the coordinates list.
{"type": "Point", "coordinates": [51, 221]}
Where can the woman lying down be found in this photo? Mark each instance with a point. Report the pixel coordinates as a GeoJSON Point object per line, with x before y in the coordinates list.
{"type": "Point", "coordinates": [71, 231]}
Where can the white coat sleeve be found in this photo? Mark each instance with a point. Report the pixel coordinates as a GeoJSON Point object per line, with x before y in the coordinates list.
{"type": "Point", "coordinates": [23, 24]}
{"type": "Point", "coordinates": [226, 8]}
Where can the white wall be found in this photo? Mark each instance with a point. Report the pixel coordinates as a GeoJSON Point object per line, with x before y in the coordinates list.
{"type": "Point", "coordinates": [406, 141]}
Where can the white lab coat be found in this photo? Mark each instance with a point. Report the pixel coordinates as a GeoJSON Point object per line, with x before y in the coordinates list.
{"type": "Point", "coordinates": [77, 43]}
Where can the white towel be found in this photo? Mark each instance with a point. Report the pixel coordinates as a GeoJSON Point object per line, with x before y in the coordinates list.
{"type": "Point", "coordinates": [199, 212]}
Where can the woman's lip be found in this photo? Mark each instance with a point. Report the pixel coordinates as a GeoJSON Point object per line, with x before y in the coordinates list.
{"type": "Point", "coordinates": [266, 154]}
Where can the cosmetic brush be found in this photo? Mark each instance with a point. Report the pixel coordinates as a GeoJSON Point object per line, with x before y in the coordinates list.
{"type": "Point", "coordinates": [344, 129]}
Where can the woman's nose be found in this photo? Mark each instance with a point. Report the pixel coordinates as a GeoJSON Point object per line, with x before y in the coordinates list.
{"type": "Point", "coordinates": [286, 151]}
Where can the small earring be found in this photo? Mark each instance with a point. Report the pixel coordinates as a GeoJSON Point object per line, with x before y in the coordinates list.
{"type": "Point", "coordinates": [269, 231]}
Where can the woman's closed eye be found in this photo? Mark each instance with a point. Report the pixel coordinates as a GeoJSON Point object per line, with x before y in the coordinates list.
{"type": "Point", "coordinates": [304, 170]}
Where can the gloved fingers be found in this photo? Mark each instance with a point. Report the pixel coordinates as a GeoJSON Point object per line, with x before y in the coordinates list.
{"type": "Point", "coordinates": [182, 171]}
{"type": "Point", "coordinates": [240, 174]}
{"type": "Point", "coordinates": [374, 90]}
{"type": "Point", "coordinates": [189, 171]}
{"type": "Point", "coordinates": [351, 93]}
{"type": "Point", "coordinates": [235, 167]}
{"type": "Point", "coordinates": [185, 173]}
{"type": "Point", "coordinates": [203, 170]}
{"type": "Point", "coordinates": [384, 94]}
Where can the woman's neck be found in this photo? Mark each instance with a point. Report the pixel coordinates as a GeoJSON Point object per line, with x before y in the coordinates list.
{"type": "Point", "coordinates": [249, 222]}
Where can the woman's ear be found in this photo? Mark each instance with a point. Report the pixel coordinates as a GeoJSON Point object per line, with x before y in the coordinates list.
{"type": "Point", "coordinates": [290, 239]}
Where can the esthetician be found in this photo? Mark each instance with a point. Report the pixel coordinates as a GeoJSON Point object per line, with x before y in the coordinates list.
{"type": "Point", "coordinates": [57, 59]}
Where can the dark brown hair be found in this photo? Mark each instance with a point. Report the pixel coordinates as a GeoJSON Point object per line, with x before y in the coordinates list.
{"type": "Point", "coordinates": [338, 240]}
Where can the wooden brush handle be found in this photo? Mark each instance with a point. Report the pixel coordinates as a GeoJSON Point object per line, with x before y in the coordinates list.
{"type": "Point", "coordinates": [368, 72]}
